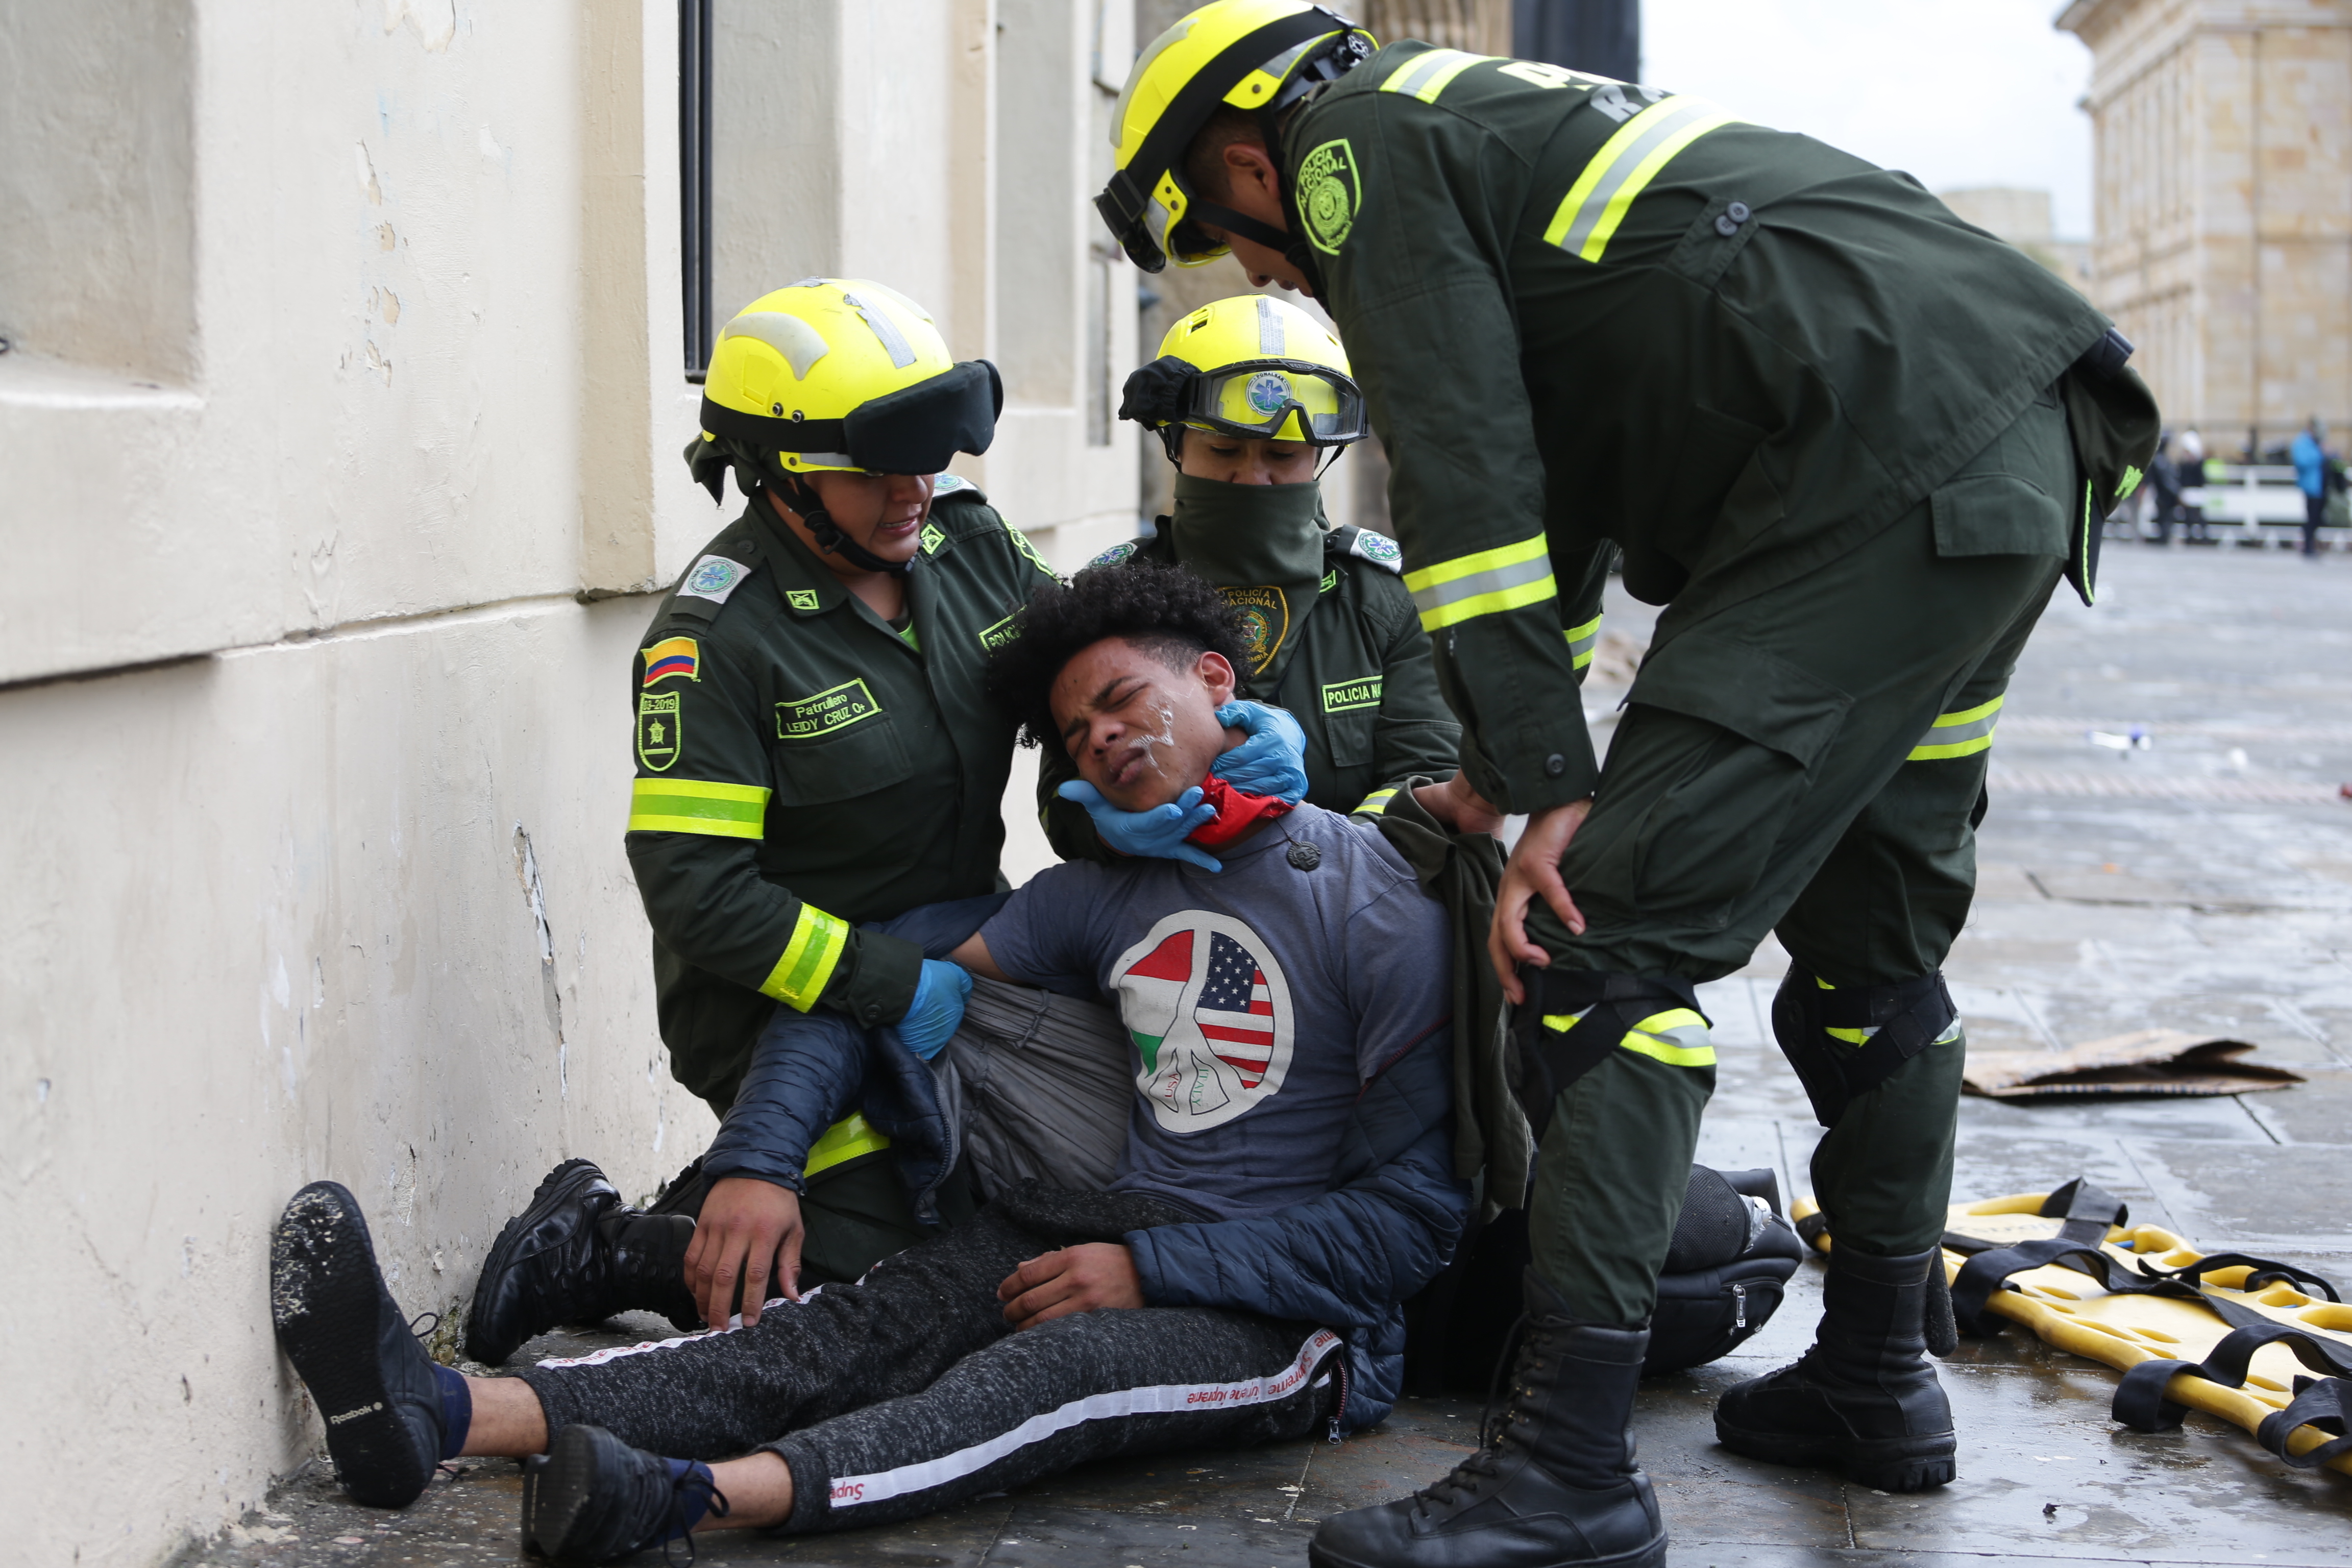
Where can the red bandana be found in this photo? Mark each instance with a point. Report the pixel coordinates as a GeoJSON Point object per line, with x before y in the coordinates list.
{"type": "Point", "coordinates": [1237, 813]}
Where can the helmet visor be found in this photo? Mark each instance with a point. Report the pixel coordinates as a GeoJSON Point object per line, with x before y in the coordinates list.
{"type": "Point", "coordinates": [1278, 400]}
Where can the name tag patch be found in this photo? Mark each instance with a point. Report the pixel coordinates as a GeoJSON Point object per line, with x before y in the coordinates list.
{"type": "Point", "coordinates": [1002, 632]}
{"type": "Point", "coordinates": [836, 707]}
{"type": "Point", "coordinates": [1345, 696]}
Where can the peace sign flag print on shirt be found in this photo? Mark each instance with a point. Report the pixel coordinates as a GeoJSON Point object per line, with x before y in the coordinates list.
{"type": "Point", "coordinates": [1210, 1016]}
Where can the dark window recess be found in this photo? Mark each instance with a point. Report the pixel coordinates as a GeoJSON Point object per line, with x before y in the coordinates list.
{"type": "Point", "coordinates": [694, 178]}
{"type": "Point", "coordinates": [1603, 37]}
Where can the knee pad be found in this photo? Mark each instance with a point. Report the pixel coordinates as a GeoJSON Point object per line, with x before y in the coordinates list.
{"type": "Point", "coordinates": [1573, 1018]}
{"type": "Point", "coordinates": [1847, 1041]}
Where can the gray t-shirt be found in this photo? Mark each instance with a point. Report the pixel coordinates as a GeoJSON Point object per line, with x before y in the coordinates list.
{"type": "Point", "coordinates": [1259, 1001]}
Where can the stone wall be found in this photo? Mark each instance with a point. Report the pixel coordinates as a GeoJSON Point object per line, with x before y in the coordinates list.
{"type": "Point", "coordinates": [2223, 131]}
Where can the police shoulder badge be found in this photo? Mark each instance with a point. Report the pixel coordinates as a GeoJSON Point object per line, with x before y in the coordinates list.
{"type": "Point", "coordinates": [1114, 555]}
{"type": "Point", "coordinates": [1376, 548]}
{"type": "Point", "coordinates": [1328, 195]}
{"type": "Point", "coordinates": [713, 578]}
{"type": "Point", "coordinates": [657, 730]}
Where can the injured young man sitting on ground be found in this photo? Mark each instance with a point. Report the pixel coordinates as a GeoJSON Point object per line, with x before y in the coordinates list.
{"type": "Point", "coordinates": [1287, 1182]}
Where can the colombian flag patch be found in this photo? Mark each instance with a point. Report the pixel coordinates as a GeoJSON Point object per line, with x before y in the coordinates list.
{"type": "Point", "coordinates": [673, 656]}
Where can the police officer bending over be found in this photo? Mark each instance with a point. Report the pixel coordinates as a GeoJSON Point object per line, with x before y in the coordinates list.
{"type": "Point", "coordinates": [1851, 443]}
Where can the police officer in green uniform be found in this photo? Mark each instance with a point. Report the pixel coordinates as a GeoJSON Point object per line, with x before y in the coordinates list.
{"type": "Point", "coordinates": [1851, 444]}
{"type": "Point", "coordinates": [1248, 395]}
{"type": "Point", "coordinates": [815, 756]}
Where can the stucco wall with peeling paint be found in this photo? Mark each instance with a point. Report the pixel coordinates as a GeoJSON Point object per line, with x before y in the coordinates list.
{"type": "Point", "coordinates": [339, 436]}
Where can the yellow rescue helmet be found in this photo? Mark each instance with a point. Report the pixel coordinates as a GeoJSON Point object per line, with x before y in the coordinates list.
{"type": "Point", "coordinates": [1260, 56]}
{"type": "Point", "coordinates": [1250, 365]}
{"type": "Point", "coordinates": [844, 374]}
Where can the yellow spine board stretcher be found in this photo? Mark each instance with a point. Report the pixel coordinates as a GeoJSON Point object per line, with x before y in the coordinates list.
{"type": "Point", "coordinates": [2071, 1310]}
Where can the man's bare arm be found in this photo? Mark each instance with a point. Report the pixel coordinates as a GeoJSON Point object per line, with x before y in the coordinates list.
{"type": "Point", "coordinates": [973, 955]}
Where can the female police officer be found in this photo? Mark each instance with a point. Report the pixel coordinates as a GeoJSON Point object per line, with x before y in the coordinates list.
{"type": "Point", "coordinates": [814, 750]}
{"type": "Point", "coordinates": [1248, 395]}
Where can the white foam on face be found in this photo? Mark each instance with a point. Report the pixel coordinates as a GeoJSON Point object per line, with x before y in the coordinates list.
{"type": "Point", "coordinates": [1151, 744]}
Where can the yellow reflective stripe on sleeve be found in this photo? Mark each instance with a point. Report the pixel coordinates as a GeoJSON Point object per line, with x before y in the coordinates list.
{"type": "Point", "coordinates": [809, 959]}
{"type": "Point", "coordinates": [1483, 584]}
{"type": "Point", "coordinates": [698, 806]}
{"type": "Point", "coordinates": [1851, 1036]}
{"type": "Point", "coordinates": [1374, 803]}
{"type": "Point", "coordinates": [1428, 75]}
{"type": "Point", "coordinates": [846, 1140]}
{"type": "Point", "coordinates": [1589, 215]}
{"type": "Point", "coordinates": [1959, 734]}
{"type": "Point", "coordinates": [1582, 640]}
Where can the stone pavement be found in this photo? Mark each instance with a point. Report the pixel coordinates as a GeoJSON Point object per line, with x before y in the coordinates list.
{"type": "Point", "coordinates": [2204, 883]}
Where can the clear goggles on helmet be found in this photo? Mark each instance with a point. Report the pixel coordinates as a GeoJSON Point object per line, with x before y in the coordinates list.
{"type": "Point", "coordinates": [1277, 400]}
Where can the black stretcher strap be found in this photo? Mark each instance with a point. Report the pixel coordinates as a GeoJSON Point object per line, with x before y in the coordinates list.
{"type": "Point", "coordinates": [2322, 1402]}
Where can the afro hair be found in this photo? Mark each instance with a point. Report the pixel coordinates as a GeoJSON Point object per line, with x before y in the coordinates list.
{"type": "Point", "coordinates": [1164, 610]}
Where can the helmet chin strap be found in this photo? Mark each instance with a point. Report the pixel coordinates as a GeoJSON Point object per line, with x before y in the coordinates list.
{"type": "Point", "coordinates": [1291, 247]}
{"type": "Point", "coordinates": [802, 498]}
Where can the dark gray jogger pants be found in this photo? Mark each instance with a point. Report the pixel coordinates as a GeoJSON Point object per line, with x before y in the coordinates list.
{"type": "Point", "coordinates": [904, 1393]}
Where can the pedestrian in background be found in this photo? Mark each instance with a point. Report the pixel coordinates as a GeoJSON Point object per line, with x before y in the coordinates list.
{"type": "Point", "coordinates": [2189, 472]}
{"type": "Point", "coordinates": [2309, 455]}
{"type": "Point", "coordinates": [2164, 487]}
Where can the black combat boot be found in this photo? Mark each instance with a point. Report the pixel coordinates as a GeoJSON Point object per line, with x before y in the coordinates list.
{"type": "Point", "coordinates": [592, 1499]}
{"type": "Point", "coordinates": [375, 1385]}
{"type": "Point", "coordinates": [1865, 1398]}
{"type": "Point", "coordinates": [577, 1256]}
{"type": "Point", "coordinates": [1553, 1482]}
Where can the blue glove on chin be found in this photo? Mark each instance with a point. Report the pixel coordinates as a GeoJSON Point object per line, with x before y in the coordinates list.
{"type": "Point", "coordinates": [1273, 761]}
{"type": "Point", "coordinates": [938, 1008]}
{"type": "Point", "coordinates": [1159, 833]}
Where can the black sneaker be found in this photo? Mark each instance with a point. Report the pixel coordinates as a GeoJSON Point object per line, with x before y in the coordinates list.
{"type": "Point", "coordinates": [373, 1383]}
{"type": "Point", "coordinates": [592, 1499]}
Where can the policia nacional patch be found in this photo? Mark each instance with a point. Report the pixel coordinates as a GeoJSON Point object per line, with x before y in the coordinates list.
{"type": "Point", "coordinates": [1328, 195]}
{"type": "Point", "coordinates": [1264, 615]}
{"type": "Point", "coordinates": [657, 728]}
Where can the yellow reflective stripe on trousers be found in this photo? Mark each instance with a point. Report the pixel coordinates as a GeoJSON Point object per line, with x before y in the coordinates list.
{"type": "Point", "coordinates": [1374, 803]}
{"type": "Point", "coordinates": [1676, 1036]}
{"type": "Point", "coordinates": [698, 806]}
{"type": "Point", "coordinates": [1959, 734]}
{"type": "Point", "coordinates": [799, 976]}
{"type": "Point", "coordinates": [1582, 640]}
{"type": "Point", "coordinates": [1589, 215]}
{"type": "Point", "coordinates": [1490, 581]}
{"type": "Point", "coordinates": [846, 1140]}
{"type": "Point", "coordinates": [1426, 76]}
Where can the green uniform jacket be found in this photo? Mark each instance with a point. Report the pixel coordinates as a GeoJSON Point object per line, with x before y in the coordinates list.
{"type": "Point", "coordinates": [1358, 680]}
{"type": "Point", "coordinates": [1585, 313]}
{"type": "Point", "coordinates": [803, 768]}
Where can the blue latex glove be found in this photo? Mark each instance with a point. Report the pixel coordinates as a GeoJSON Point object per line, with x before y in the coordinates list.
{"type": "Point", "coordinates": [938, 1008]}
{"type": "Point", "coordinates": [1159, 833]}
{"type": "Point", "coordinates": [1273, 761]}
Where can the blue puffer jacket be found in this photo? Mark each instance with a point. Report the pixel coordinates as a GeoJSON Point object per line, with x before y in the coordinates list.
{"type": "Point", "coordinates": [1347, 1261]}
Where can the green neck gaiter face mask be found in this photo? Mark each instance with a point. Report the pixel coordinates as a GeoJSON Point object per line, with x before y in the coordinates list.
{"type": "Point", "coordinates": [1261, 545]}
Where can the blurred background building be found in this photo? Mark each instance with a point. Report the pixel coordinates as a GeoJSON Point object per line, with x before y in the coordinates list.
{"type": "Point", "coordinates": [2223, 192]}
